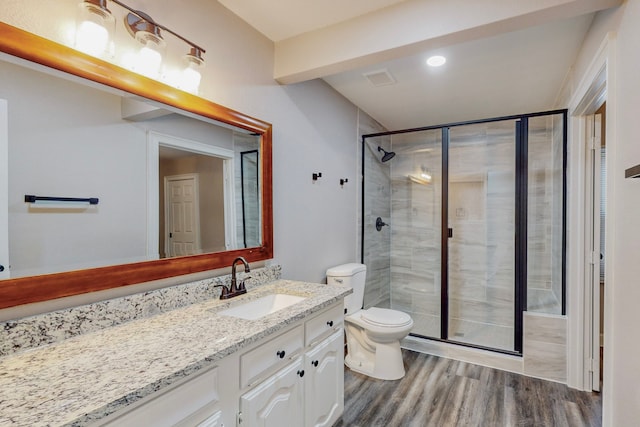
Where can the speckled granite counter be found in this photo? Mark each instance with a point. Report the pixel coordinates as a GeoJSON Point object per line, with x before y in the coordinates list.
{"type": "Point", "coordinates": [87, 377]}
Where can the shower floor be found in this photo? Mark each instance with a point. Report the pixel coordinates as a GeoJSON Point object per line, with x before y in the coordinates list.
{"type": "Point", "coordinates": [477, 333]}
{"type": "Point", "coordinates": [471, 331]}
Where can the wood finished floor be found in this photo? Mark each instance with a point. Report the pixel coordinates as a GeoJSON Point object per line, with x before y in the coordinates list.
{"type": "Point", "coordinates": [442, 393]}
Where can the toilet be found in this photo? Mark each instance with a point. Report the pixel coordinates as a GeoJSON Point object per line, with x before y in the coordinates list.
{"type": "Point", "coordinates": [374, 334]}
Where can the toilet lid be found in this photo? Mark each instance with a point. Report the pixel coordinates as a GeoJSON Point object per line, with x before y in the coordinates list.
{"type": "Point", "coordinates": [385, 317]}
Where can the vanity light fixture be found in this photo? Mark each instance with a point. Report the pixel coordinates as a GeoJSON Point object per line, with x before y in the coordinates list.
{"type": "Point", "coordinates": [144, 29]}
{"type": "Point", "coordinates": [192, 73]}
{"type": "Point", "coordinates": [94, 34]}
{"type": "Point", "coordinates": [95, 28]}
{"type": "Point", "coordinates": [436, 61]}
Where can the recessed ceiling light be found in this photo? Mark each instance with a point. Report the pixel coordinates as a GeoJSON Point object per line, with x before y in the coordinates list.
{"type": "Point", "coordinates": [436, 61]}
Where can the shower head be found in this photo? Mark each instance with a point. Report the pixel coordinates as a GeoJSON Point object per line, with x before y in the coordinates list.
{"type": "Point", "coordinates": [388, 155]}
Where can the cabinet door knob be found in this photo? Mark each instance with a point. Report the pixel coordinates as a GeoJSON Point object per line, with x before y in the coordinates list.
{"type": "Point", "coordinates": [315, 363]}
{"type": "Point", "coordinates": [301, 373]}
{"type": "Point", "coordinates": [330, 323]}
{"type": "Point", "coordinates": [281, 354]}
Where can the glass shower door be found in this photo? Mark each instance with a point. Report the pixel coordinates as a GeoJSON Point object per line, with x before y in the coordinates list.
{"type": "Point", "coordinates": [481, 221]}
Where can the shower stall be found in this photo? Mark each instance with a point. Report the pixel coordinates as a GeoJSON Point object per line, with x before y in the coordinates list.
{"type": "Point", "coordinates": [463, 226]}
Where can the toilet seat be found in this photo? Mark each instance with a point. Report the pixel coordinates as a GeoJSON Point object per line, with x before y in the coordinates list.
{"type": "Point", "coordinates": [384, 317]}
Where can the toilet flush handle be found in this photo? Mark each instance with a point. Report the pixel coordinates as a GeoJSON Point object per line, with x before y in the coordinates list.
{"type": "Point", "coordinates": [339, 280]}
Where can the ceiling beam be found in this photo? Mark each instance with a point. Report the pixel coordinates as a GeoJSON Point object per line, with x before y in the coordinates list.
{"type": "Point", "coordinates": [411, 27]}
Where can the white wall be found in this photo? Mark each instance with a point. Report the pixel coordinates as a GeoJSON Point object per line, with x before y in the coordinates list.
{"type": "Point", "coordinates": [621, 390]}
{"type": "Point", "coordinates": [58, 146]}
{"type": "Point", "coordinates": [314, 128]}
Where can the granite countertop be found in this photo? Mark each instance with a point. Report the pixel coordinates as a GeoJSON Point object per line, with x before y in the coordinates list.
{"type": "Point", "coordinates": [87, 377]}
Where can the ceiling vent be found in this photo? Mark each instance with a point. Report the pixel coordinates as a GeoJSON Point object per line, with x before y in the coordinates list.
{"type": "Point", "coordinates": [380, 78]}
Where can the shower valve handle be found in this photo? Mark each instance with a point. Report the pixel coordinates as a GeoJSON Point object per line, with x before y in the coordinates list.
{"type": "Point", "coordinates": [380, 223]}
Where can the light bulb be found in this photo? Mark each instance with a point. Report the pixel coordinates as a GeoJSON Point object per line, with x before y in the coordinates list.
{"type": "Point", "coordinates": [149, 60]}
{"type": "Point", "coordinates": [190, 81]}
{"type": "Point", "coordinates": [92, 38]}
{"type": "Point", "coordinates": [95, 25]}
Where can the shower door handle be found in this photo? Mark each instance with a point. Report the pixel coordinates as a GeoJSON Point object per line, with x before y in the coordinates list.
{"type": "Point", "coordinates": [450, 233]}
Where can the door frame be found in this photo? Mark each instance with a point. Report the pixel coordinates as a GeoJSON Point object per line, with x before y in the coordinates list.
{"type": "Point", "coordinates": [154, 141]}
{"type": "Point", "coordinates": [167, 211]}
{"type": "Point", "coordinates": [597, 85]}
{"type": "Point", "coordinates": [593, 197]}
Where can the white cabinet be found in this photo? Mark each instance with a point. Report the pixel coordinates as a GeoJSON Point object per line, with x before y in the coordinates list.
{"type": "Point", "coordinates": [213, 421]}
{"type": "Point", "coordinates": [309, 391]}
{"type": "Point", "coordinates": [293, 378]}
{"type": "Point", "coordinates": [192, 402]}
{"type": "Point", "coordinates": [324, 382]}
{"type": "Point", "coordinates": [277, 401]}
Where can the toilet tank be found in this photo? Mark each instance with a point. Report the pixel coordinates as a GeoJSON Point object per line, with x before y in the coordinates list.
{"type": "Point", "coordinates": [352, 275]}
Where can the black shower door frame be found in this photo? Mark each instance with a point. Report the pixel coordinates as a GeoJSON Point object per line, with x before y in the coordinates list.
{"type": "Point", "coordinates": [521, 209]}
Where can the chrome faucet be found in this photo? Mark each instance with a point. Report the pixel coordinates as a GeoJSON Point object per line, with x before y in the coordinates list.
{"type": "Point", "coordinates": [234, 290]}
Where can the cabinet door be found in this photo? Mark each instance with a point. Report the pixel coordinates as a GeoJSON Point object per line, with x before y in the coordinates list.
{"type": "Point", "coordinates": [324, 382]}
{"type": "Point", "coordinates": [277, 401]}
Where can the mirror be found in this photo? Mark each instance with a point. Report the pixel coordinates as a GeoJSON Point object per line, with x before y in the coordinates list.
{"type": "Point", "coordinates": [139, 160]}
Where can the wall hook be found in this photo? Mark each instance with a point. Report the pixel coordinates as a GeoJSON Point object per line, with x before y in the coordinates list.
{"type": "Point", "coordinates": [343, 181]}
{"type": "Point", "coordinates": [316, 175]}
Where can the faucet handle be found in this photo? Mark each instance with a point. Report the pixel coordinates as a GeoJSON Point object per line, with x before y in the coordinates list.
{"type": "Point", "coordinates": [225, 291]}
{"type": "Point", "coordinates": [241, 286]}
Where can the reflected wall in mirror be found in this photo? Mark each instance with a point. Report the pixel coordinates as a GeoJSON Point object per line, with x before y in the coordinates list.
{"type": "Point", "coordinates": [167, 171]}
{"type": "Point", "coordinates": [249, 169]}
{"type": "Point", "coordinates": [68, 139]}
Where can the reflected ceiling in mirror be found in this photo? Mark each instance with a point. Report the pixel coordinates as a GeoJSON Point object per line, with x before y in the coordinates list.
{"type": "Point", "coordinates": [120, 154]}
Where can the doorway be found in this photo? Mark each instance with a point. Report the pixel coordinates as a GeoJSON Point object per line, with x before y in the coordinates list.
{"type": "Point", "coordinates": [169, 156]}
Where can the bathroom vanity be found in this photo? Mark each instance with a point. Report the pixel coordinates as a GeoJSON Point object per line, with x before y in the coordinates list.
{"type": "Point", "coordinates": [192, 366]}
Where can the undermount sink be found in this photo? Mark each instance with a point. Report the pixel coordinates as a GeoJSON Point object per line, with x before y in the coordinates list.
{"type": "Point", "coordinates": [263, 306]}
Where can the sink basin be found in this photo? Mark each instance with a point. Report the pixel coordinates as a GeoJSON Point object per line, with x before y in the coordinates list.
{"type": "Point", "coordinates": [260, 307]}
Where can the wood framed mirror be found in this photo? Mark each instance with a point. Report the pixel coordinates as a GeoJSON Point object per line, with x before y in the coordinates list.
{"type": "Point", "coordinates": [25, 46]}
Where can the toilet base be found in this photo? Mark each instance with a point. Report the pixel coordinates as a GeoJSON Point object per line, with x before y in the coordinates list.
{"type": "Point", "coordinates": [388, 364]}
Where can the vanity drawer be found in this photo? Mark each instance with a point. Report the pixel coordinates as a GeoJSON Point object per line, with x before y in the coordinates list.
{"type": "Point", "coordinates": [195, 398]}
{"type": "Point", "coordinates": [275, 353]}
{"type": "Point", "coordinates": [324, 324]}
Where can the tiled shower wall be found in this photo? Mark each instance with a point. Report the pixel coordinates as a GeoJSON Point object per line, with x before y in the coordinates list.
{"type": "Point", "coordinates": [544, 234]}
{"type": "Point", "coordinates": [377, 203]}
